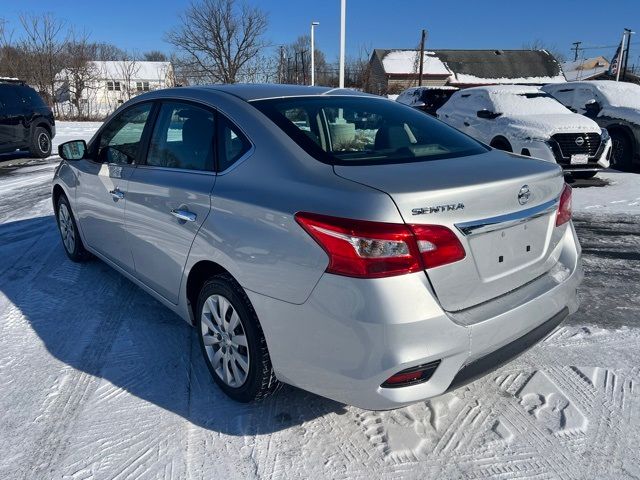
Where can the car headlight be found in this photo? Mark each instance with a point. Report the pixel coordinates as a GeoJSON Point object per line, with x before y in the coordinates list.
{"type": "Point", "coordinates": [537, 139]}
{"type": "Point", "coordinates": [604, 135]}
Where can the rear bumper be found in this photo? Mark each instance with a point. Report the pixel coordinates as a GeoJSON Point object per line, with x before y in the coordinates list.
{"type": "Point", "coordinates": [353, 334]}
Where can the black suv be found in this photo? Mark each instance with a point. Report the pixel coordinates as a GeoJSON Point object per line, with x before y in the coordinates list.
{"type": "Point", "coordinates": [26, 123]}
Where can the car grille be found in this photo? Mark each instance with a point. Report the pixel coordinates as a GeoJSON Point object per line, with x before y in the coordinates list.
{"type": "Point", "coordinates": [568, 145]}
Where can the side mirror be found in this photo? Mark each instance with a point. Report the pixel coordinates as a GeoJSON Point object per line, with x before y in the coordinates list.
{"type": "Point", "coordinates": [73, 150]}
{"type": "Point", "coordinates": [487, 115]}
{"type": "Point", "coordinates": [592, 106]}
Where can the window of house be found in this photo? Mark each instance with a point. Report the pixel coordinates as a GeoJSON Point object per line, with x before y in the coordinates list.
{"type": "Point", "coordinates": [142, 86]}
{"type": "Point", "coordinates": [111, 86]}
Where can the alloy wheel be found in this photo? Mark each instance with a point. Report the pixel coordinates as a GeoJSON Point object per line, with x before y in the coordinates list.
{"type": "Point", "coordinates": [67, 229]}
{"type": "Point", "coordinates": [43, 142]}
{"type": "Point", "coordinates": [225, 341]}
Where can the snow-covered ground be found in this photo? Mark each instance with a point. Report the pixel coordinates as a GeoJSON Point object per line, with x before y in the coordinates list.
{"type": "Point", "coordinates": [99, 381]}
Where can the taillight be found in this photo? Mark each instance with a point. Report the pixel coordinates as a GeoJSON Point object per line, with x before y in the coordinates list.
{"type": "Point", "coordinates": [564, 209]}
{"type": "Point", "coordinates": [364, 249]}
{"type": "Point", "coordinates": [438, 245]}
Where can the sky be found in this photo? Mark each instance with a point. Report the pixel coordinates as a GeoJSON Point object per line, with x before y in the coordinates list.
{"type": "Point", "coordinates": [140, 25]}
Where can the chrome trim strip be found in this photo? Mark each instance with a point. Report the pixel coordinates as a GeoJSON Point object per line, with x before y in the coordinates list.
{"type": "Point", "coordinates": [508, 220]}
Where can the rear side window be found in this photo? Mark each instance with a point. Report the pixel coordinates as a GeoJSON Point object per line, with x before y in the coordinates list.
{"type": "Point", "coordinates": [232, 144]}
{"type": "Point", "coordinates": [32, 97]}
{"type": "Point", "coordinates": [183, 137]}
{"type": "Point", "coordinates": [351, 130]}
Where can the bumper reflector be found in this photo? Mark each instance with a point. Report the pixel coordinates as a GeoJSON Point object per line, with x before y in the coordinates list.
{"type": "Point", "coordinates": [411, 376]}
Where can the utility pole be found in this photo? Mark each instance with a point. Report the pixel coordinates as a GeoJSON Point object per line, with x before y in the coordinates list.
{"type": "Point", "coordinates": [424, 34]}
{"type": "Point", "coordinates": [313, 53]}
{"type": "Point", "coordinates": [576, 48]}
{"type": "Point", "coordinates": [304, 70]}
{"type": "Point", "coordinates": [281, 66]}
{"type": "Point", "coordinates": [621, 57]}
{"type": "Point", "coordinates": [626, 53]}
{"type": "Point", "coordinates": [343, 14]}
{"type": "Point", "coordinates": [297, 78]}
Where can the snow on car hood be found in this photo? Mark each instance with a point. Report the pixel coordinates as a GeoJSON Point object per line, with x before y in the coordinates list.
{"type": "Point", "coordinates": [547, 125]}
{"type": "Point", "coordinates": [624, 113]}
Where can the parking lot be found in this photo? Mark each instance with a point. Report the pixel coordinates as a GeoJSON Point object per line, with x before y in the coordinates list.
{"type": "Point", "coordinates": [98, 380]}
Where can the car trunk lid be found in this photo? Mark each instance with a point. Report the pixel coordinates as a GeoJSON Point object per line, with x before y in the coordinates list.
{"type": "Point", "coordinates": [502, 208]}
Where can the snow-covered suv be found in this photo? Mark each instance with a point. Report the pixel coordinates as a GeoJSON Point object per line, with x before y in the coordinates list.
{"type": "Point", "coordinates": [528, 121]}
{"type": "Point", "coordinates": [614, 106]}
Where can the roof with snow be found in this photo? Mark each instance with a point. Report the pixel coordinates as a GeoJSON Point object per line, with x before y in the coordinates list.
{"type": "Point", "coordinates": [135, 70]}
{"type": "Point", "coordinates": [585, 68]}
{"type": "Point", "coordinates": [476, 67]}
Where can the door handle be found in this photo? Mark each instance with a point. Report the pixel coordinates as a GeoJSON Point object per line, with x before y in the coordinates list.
{"type": "Point", "coordinates": [466, 124]}
{"type": "Point", "coordinates": [184, 215]}
{"type": "Point", "coordinates": [117, 194]}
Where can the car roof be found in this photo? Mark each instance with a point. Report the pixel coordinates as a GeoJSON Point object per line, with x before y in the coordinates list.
{"type": "Point", "coordinates": [262, 91]}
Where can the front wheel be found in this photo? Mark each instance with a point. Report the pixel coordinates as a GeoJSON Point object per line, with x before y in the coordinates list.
{"type": "Point", "coordinates": [71, 240]}
{"type": "Point", "coordinates": [232, 341]}
{"type": "Point", "coordinates": [40, 146]}
{"type": "Point", "coordinates": [622, 153]}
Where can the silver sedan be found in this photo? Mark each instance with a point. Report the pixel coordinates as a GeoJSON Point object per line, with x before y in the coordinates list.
{"type": "Point", "coordinates": [328, 239]}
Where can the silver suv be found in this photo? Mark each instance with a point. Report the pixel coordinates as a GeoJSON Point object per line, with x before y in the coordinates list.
{"type": "Point", "coordinates": [336, 241]}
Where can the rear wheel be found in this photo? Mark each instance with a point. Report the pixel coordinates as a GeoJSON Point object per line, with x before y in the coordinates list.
{"type": "Point", "coordinates": [232, 341]}
{"type": "Point", "coordinates": [40, 146]}
{"type": "Point", "coordinates": [621, 156]}
{"type": "Point", "coordinates": [69, 232]}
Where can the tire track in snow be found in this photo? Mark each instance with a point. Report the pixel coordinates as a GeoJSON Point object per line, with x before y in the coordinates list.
{"type": "Point", "coordinates": [71, 393]}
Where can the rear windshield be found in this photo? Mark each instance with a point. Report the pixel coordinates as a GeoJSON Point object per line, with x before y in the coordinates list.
{"type": "Point", "coordinates": [363, 130]}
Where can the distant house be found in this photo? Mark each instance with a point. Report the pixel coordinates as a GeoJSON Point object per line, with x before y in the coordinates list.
{"type": "Point", "coordinates": [392, 71]}
{"type": "Point", "coordinates": [585, 69]}
{"type": "Point", "coordinates": [108, 84]}
{"type": "Point", "coordinates": [596, 68]}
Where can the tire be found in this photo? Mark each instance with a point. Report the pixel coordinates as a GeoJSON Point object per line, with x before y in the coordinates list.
{"type": "Point", "coordinates": [40, 146]}
{"type": "Point", "coordinates": [622, 154]}
{"type": "Point", "coordinates": [241, 367]}
{"type": "Point", "coordinates": [71, 241]}
{"type": "Point", "coordinates": [501, 144]}
{"type": "Point", "coordinates": [583, 175]}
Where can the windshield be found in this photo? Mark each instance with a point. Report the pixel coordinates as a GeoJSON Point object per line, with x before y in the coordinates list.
{"type": "Point", "coordinates": [534, 103]}
{"type": "Point", "coordinates": [620, 94]}
{"type": "Point", "coordinates": [351, 130]}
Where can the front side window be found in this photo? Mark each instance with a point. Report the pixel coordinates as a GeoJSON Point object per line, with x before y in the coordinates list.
{"type": "Point", "coordinates": [364, 130]}
{"type": "Point", "coordinates": [183, 137]}
{"type": "Point", "coordinates": [120, 140]}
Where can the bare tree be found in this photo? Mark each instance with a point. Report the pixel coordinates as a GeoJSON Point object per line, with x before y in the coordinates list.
{"type": "Point", "coordinates": [218, 38]}
{"type": "Point", "coordinates": [44, 40]}
{"type": "Point", "coordinates": [127, 70]}
{"type": "Point", "coordinates": [109, 52]}
{"type": "Point", "coordinates": [154, 56]}
{"type": "Point", "coordinates": [539, 44]}
{"type": "Point", "coordinates": [80, 73]}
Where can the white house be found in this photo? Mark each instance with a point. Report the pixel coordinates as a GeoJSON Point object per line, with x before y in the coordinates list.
{"type": "Point", "coordinates": [102, 86]}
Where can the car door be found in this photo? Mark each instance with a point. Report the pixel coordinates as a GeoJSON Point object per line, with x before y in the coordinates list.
{"type": "Point", "coordinates": [12, 111]}
{"type": "Point", "coordinates": [169, 196]}
{"type": "Point", "coordinates": [102, 183]}
{"type": "Point", "coordinates": [479, 128]}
